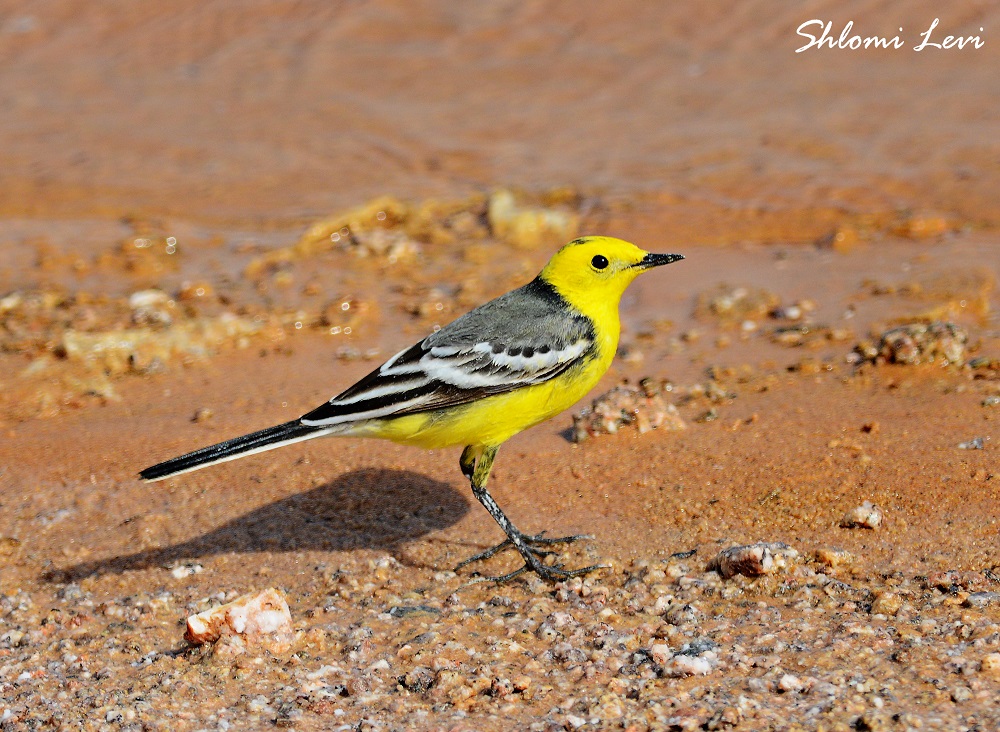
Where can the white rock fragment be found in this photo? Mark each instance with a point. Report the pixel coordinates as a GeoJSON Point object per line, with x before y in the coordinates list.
{"type": "Point", "coordinates": [150, 307]}
{"type": "Point", "coordinates": [976, 443]}
{"type": "Point", "coordinates": [753, 560]}
{"type": "Point", "coordinates": [991, 664]}
{"type": "Point", "coordinates": [790, 683]}
{"type": "Point", "coordinates": [865, 516]}
{"type": "Point", "coordinates": [147, 298]}
{"type": "Point", "coordinates": [380, 665]}
{"type": "Point", "coordinates": [681, 665]}
{"type": "Point", "coordinates": [661, 653]}
{"type": "Point", "coordinates": [697, 658]}
{"type": "Point", "coordinates": [262, 617]}
{"type": "Point", "coordinates": [186, 570]}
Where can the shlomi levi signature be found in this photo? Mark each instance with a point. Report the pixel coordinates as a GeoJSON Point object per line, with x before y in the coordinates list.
{"type": "Point", "coordinates": [852, 41]}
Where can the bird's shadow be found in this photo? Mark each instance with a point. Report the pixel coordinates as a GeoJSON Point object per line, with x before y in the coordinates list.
{"type": "Point", "coordinates": [364, 509]}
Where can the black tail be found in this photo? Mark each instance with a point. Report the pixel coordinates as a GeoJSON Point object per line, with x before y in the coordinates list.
{"type": "Point", "coordinates": [266, 439]}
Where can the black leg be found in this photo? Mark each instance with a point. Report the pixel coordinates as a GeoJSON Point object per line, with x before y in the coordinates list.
{"type": "Point", "coordinates": [477, 469]}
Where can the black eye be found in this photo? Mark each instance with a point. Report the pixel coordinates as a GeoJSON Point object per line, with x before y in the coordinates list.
{"type": "Point", "coordinates": [599, 262]}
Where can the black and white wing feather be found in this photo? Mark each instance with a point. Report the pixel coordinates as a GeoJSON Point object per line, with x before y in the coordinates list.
{"type": "Point", "coordinates": [525, 337]}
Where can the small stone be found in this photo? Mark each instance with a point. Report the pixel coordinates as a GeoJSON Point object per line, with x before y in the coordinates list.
{"type": "Point", "coordinates": [790, 683]}
{"type": "Point", "coordinates": [752, 560]}
{"type": "Point", "coordinates": [186, 570]}
{"type": "Point", "coordinates": [865, 516]}
{"type": "Point", "coordinates": [288, 716]}
{"type": "Point", "coordinates": [151, 308]}
{"type": "Point", "coordinates": [501, 687]}
{"type": "Point", "coordinates": [661, 653]}
{"type": "Point", "coordinates": [681, 665]}
{"type": "Point", "coordinates": [953, 581]}
{"type": "Point", "coordinates": [418, 680]}
{"type": "Point", "coordinates": [380, 665]}
{"type": "Point", "coordinates": [874, 721]}
{"type": "Point", "coordinates": [521, 683]}
{"type": "Point", "coordinates": [687, 719]}
{"type": "Point", "coordinates": [961, 694]}
{"type": "Point", "coordinates": [11, 638]}
{"type": "Point", "coordinates": [990, 664]}
{"type": "Point", "coordinates": [729, 717]}
{"type": "Point", "coordinates": [147, 298]}
{"type": "Point", "coordinates": [982, 599]}
{"type": "Point", "coordinates": [8, 545]}
{"type": "Point", "coordinates": [253, 617]}
{"type": "Point", "coordinates": [887, 603]}
{"type": "Point", "coordinates": [70, 592]}
{"type": "Point", "coordinates": [681, 614]}
{"type": "Point", "coordinates": [202, 415]}
{"type": "Point", "coordinates": [834, 557]}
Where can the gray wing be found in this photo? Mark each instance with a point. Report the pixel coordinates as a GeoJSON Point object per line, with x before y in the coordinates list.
{"type": "Point", "coordinates": [525, 337]}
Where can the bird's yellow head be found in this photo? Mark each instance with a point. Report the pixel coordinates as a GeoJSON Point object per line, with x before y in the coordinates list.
{"type": "Point", "coordinates": [592, 272]}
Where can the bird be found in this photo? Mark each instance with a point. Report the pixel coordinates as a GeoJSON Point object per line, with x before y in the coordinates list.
{"type": "Point", "coordinates": [497, 370]}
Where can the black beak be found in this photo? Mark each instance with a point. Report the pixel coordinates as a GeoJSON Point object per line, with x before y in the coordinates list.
{"type": "Point", "coordinates": [655, 260]}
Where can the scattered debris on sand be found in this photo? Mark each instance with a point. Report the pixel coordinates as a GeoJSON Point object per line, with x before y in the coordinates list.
{"type": "Point", "coordinates": [731, 304]}
{"type": "Point", "coordinates": [937, 342]}
{"type": "Point", "coordinates": [626, 404]}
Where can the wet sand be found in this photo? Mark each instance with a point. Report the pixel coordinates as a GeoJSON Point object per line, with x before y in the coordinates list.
{"type": "Point", "coordinates": [216, 237]}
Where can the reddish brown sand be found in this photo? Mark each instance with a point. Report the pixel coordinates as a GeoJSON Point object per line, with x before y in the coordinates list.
{"type": "Point", "coordinates": [179, 149]}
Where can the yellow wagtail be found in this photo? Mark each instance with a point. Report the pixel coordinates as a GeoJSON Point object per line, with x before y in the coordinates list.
{"type": "Point", "coordinates": [499, 369]}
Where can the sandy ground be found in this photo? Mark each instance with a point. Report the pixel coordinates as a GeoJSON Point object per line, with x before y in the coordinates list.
{"type": "Point", "coordinates": [198, 243]}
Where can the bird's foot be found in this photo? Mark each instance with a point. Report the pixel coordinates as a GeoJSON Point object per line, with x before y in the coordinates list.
{"type": "Point", "coordinates": [552, 574]}
{"type": "Point", "coordinates": [530, 549]}
{"type": "Point", "coordinates": [531, 543]}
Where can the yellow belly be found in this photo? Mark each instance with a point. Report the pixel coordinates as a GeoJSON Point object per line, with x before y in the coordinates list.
{"type": "Point", "coordinates": [492, 420]}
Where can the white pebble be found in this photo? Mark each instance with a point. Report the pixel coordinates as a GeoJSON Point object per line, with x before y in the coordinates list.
{"type": "Point", "coordinates": [788, 683]}
{"type": "Point", "coordinates": [689, 666]}
{"type": "Point", "coordinates": [865, 516]}
{"type": "Point", "coordinates": [661, 653]}
{"type": "Point", "coordinates": [256, 616]}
